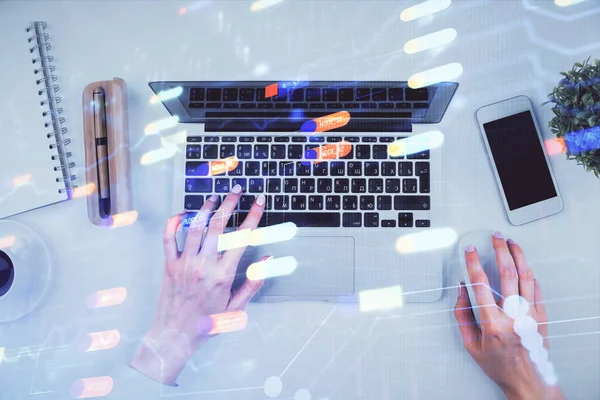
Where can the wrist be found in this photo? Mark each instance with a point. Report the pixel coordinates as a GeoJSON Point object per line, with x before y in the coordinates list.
{"type": "Point", "coordinates": [546, 392]}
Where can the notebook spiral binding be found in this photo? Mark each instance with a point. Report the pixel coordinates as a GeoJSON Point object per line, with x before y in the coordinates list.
{"type": "Point", "coordinates": [40, 46]}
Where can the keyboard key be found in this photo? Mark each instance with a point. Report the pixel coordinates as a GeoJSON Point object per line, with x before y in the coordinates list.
{"type": "Point", "coordinates": [379, 94]}
{"type": "Point", "coordinates": [274, 185]}
{"type": "Point", "coordinates": [198, 185]}
{"type": "Point", "coordinates": [196, 168]}
{"type": "Point", "coordinates": [354, 168]}
{"type": "Point", "coordinates": [192, 151]}
{"type": "Point", "coordinates": [334, 139]}
{"type": "Point", "coordinates": [420, 105]}
{"type": "Point", "coordinates": [194, 139]}
{"type": "Point", "coordinates": [246, 201]}
{"type": "Point", "coordinates": [346, 94]}
{"type": "Point", "coordinates": [395, 94]}
{"type": "Point", "coordinates": [282, 105]}
{"type": "Point", "coordinates": [191, 202]}
{"type": "Point", "coordinates": [230, 94]}
{"type": "Point", "coordinates": [244, 151]}
{"type": "Point", "coordinates": [238, 170]}
{"type": "Point", "coordinates": [369, 139]}
{"type": "Point", "coordinates": [350, 155]}
{"type": "Point", "coordinates": [240, 181]}
{"type": "Point", "coordinates": [298, 202]}
{"type": "Point", "coordinates": [420, 94]}
{"type": "Point", "coordinates": [371, 220]}
{"type": "Point", "coordinates": [229, 139]}
{"type": "Point", "coordinates": [252, 168]}
{"type": "Point", "coordinates": [342, 185]}
{"type": "Point", "coordinates": [297, 139]}
{"type": "Point", "coordinates": [210, 152]}
{"type": "Point", "coordinates": [269, 168]}
{"type": "Point", "coordinates": [246, 139]}
{"type": "Point", "coordinates": [307, 185]}
{"type": "Point", "coordinates": [281, 139]}
{"type": "Point", "coordinates": [386, 105]}
{"type": "Point", "coordinates": [384, 202]}
{"type": "Point", "coordinates": [301, 219]}
{"type": "Point", "coordinates": [405, 220]}
{"type": "Point", "coordinates": [196, 105]}
{"type": "Point", "coordinates": [317, 105]}
{"type": "Point", "coordinates": [262, 105]}
{"type": "Point", "coordinates": [211, 139]}
{"type": "Point", "coordinates": [351, 220]}
{"type": "Point", "coordinates": [363, 94]}
{"type": "Point", "coordinates": [294, 151]}
{"type": "Point", "coordinates": [405, 168]}
{"type": "Point", "coordinates": [315, 202]}
{"type": "Point", "coordinates": [350, 202]}
{"type": "Point", "coordinates": [227, 150]}
{"type": "Point", "coordinates": [313, 94]}
{"type": "Point", "coordinates": [376, 185]}
{"type": "Point", "coordinates": [337, 106]}
{"type": "Point", "coordinates": [290, 185]}
{"type": "Point", "coordinates": [332, 203]}
{"type": "Point", "coordinates": [196, 94]}
{"type": "Point", "coordinates": [423, 155]}
{"type": "Point", "coordinates": [388, 223]}
{"type": "Point", "coordinates": [409, 185]}
{"type": "Point", "coordinates": [392, 185]}
{"type": "Point", "coordinates": [387, 139]}
{"type": "Point", "coordinates": [278, 151]}
{"type": "Point", "coordinates": [316, 139]}
{"type": "Point", "coordinates": [324, 185]}
{"type": "Point", "coordinates": [297, 95]}
{"type": "Point", "coordinates": [213, 94]}
{"type": "Point", "coordinates": [362, 151]}
{"type": "Point", "coordinates": [352, 139]}
{"type": "Point", "coordinates": [247, 94]}
{"type": "Point", "coordinates": [249, 105]}
{"type": "Point", "coordinates": [371, 168]}
{"type": "Point", "coordinates": [388, 168]}
{"type": "Point", "coordinates": [286, 168]}
{"type": "Point", "coordinates": [330, 95]}
{"type": "Point", "coordinates": [268, 202]}
{"type": "Point", "coordinates": [352, 105]}
{"type": "Point", "coordinates": [380, 152]}
{"type": "Point", "coordinates": [422, 171]}
{"type": "Point", "coordinates": [256, 185]}
{"type": "Point", "coordinates": [422, 223]}
{"type": "Point", "coordinates": [222, 185]}
{"type": "Point", "coordinates": [263, 139]}
{"type": "Point", "coordinates": [368, 105]}
{"type": "Point", "coordinates": [337, 168]}
{"type": "Point", "coordinates": [281, 202]}
{"type": "Point", "coordinates": [261, 151]}
{"type": "Point", "coordinates": [411, 203]}
{"type": "Point", "coordinates": [320, 169]}
{"type": "Point", "coordinates": [302, 169]}
{"type": "Point", "coordinates": [359, 185]}
{"type": "Point", "coordinates": [367, 202]}
{"type": "Point", "coordinates": [280, 97]}
{"type": "Point", "coordinates": [403, 105]}
{"type": "Point", "coordinates": [300, 105]}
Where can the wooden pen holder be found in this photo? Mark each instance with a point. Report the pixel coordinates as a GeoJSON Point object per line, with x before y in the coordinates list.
{"type": "Point", "coordinates": [118, 149]}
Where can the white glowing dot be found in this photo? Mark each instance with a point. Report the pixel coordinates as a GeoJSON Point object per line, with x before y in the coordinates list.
{"type": "Point", "coordinates": [546, 369]}
{"type": "Point", "coordinates": [430, 41]}
{"type": "Point", "coordinates": [273, 386]}
{"type": "Point", "coordinates": [381, 299]}
{"type": "Point", "coordinates": [538, 354]}
{"type": "Point", "coordinates": [566, 3]}
{"type": "Point", "coordinates": [302, 394]}
{"type": "Point", "coordinates": [432, 76]}
{"type": "Point", "coordinates": [424, 9]}
{"type": "Point", "coordinates": [271, 268]}
{"type": "Point", "coordinates": [531, 340]}
{"type": "Point", "coordinates": [515, 306]}
{"type": "Point", "coordinates": [524, 325]}
{"type": "Point", "coordinates": [261, 69]}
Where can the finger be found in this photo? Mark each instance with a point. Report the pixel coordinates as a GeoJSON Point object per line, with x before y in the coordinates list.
{"type": "Point", "coordinates": [241, 298]}
{"type": "Point", "coordinates": [509, 281]}
{"type": "Point", "coordinates": [219, 220]}
{"type": "Point", "coordinates": [470, 332]}
{"type": "Point", "coordinates": [196, 231]}
{"type": "Point", "coordinates": [526, 286]}
{"type": "Point", "coordinates": [169, 242]}
{"type": "Point", "coordinates": [232, 257]}
{"type": "Point", "coordinates": [541, 316]}
{"type": "Point", "coordinates": [481, 286]}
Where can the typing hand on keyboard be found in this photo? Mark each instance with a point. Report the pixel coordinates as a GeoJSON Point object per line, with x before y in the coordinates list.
{"type": "Point", "coordinates": [196, 289]}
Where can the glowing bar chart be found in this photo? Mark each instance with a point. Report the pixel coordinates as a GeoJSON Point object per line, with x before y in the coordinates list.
{"type": "Point", "coordinates": [432, 76]}
{"type": "Point", "coordinates": [381, 299]}
{"type": "Point", "coordinates": [424, 9]}
{"type": "Point", "coordinates": [155, 127]}
{"type": "Point", "coordinates": [160, 154]}
{"type": "Point", "coordinates": [416, 144]}
{"type": "Point", "coordinates": [430, 41]}
{"type": "Point", "coordinates": [426, 241]}
{"type": "Point", "coordinates": [107, 297]}
{"type": "Point", "coordinates": [86, 388]}
{"type": "Point", "coordinates": [99, 341]}
{"type": "Point", "coordinates": [271, 268]}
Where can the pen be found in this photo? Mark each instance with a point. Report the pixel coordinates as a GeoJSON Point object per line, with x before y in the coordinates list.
{"type": "Point", "coordinates": [101, 152]}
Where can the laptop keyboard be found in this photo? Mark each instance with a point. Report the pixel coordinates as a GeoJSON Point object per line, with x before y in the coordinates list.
{"type": "Point", "coordinates": [365, 188]}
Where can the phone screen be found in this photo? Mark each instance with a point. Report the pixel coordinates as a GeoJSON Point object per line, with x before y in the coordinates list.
{"type": "Point", "coordinates": [520, 160]}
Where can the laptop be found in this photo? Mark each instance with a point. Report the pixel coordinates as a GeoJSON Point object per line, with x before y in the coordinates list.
{"type": "Point", "coordinates": [349, 211]}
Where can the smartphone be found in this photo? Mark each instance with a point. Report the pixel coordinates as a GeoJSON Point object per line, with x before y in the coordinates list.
{"type": "Point", "coordinates": [515, 148]}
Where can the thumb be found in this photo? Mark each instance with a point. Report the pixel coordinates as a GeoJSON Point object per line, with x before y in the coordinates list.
{"type": "Point", "coordinates": [470, 332]}
{"type": "Point", "coordinates": [241, 298]}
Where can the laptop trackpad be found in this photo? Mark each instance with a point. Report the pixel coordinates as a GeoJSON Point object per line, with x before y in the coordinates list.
{"type": "Point", "coordinates": [325, 266]}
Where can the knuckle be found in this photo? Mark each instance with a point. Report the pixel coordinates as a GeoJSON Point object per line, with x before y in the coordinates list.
{"type": "Point", "coordinates": [508, 273]}
{"type": "Point", "coordinates": [166, 237]}
{"type": "Point", "coordinates": [526, 274]}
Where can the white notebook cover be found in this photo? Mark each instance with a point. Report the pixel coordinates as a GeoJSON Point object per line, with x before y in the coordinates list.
{"type": "Point", "coordinates": [27, 175]}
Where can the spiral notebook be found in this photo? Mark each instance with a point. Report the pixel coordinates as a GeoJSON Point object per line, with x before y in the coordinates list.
{"type": "Point", "coordinates": [35, 165]}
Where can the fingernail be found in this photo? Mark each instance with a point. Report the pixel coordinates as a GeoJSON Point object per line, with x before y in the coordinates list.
{"type": "Point", "coordinates": [260, 200]}
{"type": "Point", "coordinates": [459, 290]}
{"type": "Point", "coordinates": [510, 241]}
{"type": "Point", "coordinates": [498, 235]}
{"type": "Point", "coordinates": [236, 189]}
{"type": "Point", "coordinates": [469, 249]}
{"type": "Point", "coordinates": [214, 198]}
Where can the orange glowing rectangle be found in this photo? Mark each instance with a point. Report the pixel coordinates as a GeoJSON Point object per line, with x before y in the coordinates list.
{"type": "Point", "coordinates": [85, 388]}
{"type": "Point", "coordinates": [326, 123]}
{"type": "Point", "coordinates": [219, 167]}
{"type": "Point", "coordinates": [123, 219]}
{"type": "Point", "coordinates": [107, 297]}
{"type": "Point", "coordinates": [332, 151]}
{"type": "Point", "coordinates": [7, 241]}
{"type": "Point", "coordinates": [85, 190]}
{"type": "Point", "coordinates": [228, 322]}
{"type": "Point", "coordinates": [271, 90]}
{"type": "Point", "coordinates": [555, 146]}
{"type": "Point", "coordinates": [21, 180]}
{"type": "Point", "coordinates": [100, 340]}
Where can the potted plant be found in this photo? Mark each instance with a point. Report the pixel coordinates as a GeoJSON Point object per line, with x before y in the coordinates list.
{"type": "Point", "coordinates": [576, 121]}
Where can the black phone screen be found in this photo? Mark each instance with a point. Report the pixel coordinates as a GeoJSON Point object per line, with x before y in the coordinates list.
{"type": "Point", "coordinates": [519, 159]}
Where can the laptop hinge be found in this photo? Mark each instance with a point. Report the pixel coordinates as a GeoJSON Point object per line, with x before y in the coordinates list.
{"type": "Point", "coordinates": [281, 125]}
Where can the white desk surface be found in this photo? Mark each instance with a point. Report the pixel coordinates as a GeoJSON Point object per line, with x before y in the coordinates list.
{"type": "Point", "coordinates": [506, 47]}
